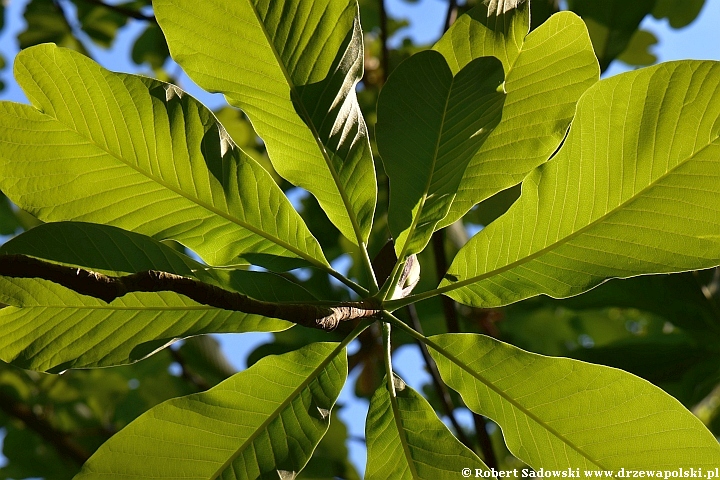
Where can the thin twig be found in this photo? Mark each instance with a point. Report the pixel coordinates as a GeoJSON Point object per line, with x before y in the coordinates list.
{"type": "Point", "coordinates": [451, 14]}
{"type": "Point", "coordinates": [61, 441]}
{"type": "Point", "coordinates": [441, 266]}
{"type": "Point", "coordinates": [123, 11]}
{"type": "Point", "coordinates": [453, 326]}
{"type": "Point", "coordinates": [108, 288]}
{"type": "Point", "coordinates": [440, 387]}
{"type": "Point", "coordinates": [186, 372]}
{"type": "Point", "coordinates": [384, 52]}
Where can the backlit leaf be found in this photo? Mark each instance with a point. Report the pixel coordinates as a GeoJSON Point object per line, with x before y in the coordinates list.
{"type": "Point", "coordinates": [263, 422]}
{"type": "Point", "coordinates": [142, 155]}
{"type": "Point", "coordinates": [430, 124]}
{"type": "Point", "coordinates": [546, 71]}
{"type": "Point", "coordinates": [635, 189]}
{"type": "Point", "coordinates": [406, 439]}
{"type": "Point", "coordinates": [558, 413]}
{"type": "Point", "coordinates": [292, 67]}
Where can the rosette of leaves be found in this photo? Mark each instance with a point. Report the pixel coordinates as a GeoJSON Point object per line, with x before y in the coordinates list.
{"type": "Point", "coordinates": [619, 178]}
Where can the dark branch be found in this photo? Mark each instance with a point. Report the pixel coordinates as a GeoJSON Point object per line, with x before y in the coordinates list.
{"type": "Point", "coordinates": [385, 53]}
{"type": "Point", "coordinates": [440, 387]}
{"type": "Point", "coordinates": [453, 326]}
{"type": "Point", "coordinates": [187, 374]}
{"type": "Point", "coordinates": [108, 288]}
{"type": "Point", "coordinates": [61, 441]}
{"type": "Point", "coordinates": [451, 14]}
{"type": "Point", "coordinates": [123, 11]}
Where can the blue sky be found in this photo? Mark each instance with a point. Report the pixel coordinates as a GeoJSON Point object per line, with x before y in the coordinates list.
{"type": "Point", "coordinates": [700, 40]}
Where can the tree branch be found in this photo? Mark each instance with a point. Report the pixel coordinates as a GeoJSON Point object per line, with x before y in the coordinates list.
{"type": "Point", "coordinates": [108, 288]}
{"type": "Point", "coordinates": [451, 14]}
{"type": "Point", "coordinates": [385, 53]}
{"type": "Point", "coordinates": [61, 441]}
{"type": "Point", "coordinates": [453, 326]}
{"type": "Point", "coordinates": [186, 372]}
{"type": "Point", "coordinates": [440, 387]}
{"type": "Point", "coordinates": [123, 11]}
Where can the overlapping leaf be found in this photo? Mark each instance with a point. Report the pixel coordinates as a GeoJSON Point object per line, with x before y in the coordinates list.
{"type": "Point", "coordinates": [406, 439]}
{"type": "Point", "coordinates": [292, 66]}
{"type": "Point", "coordinates": [430, 124]}
{"type": "Point", "coordinates": [261, 423]}
{"type": "Point", "coordinates": [546, 72]}
{"type": "Point", "coordinates": [48, 327]}
{"type": "Point", "coordinates": [557, 413]}
{"type": "Point", "coordinates": [144, 156]}
{"type": "Point", "coordinates": [635, 189]}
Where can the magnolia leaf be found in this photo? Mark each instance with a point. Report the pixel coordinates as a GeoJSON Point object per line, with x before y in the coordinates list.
{"type": "Point", "coordinates": [558, 413]}
{"type": "Point", "coordinates": [430, 124]}
{"type": "Point", "coordinates": [406, 439]}
{"type": "Point", "coordinates": [264, 422]}
{"type": "Point", "coordinates": [546, 72]}
{"type": "Point", "coordinates": [51, 328]}
{"type": "Point", "coordinates": [614, 23]}
{"type": "Point", "coordinates": [634, 190]}
{"type": "Point", "coordinates": [292, 67]}
{"type": "Point", "coordinates": [113, 251]}
{"type": "Point", "coordinates": [142, 155]}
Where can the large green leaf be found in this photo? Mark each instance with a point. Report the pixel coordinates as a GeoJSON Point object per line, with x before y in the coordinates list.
{"type": "Point", "coordinates": [406, 439]}
{"type": "Point", "coordinates": [144, 156]}
{"type": "Point", "coordinates": [559, 413]}
{"type": "Point", "coordinates": [50, 328]}
{"type": "Point", "coordinates": [546, 72]}
{"type": "Point", "coordinates": [635, 189]}
{"type": "Point", "coordinates": [430, 124]}
{"type": "Point", "coordinates": [292, 66]}
{"type": "Point", "coordinates": [102, 248]}
{"type": "Point", "coordinates": [114, 251]}
{"type": "Point", "coordinates": [261, 423]}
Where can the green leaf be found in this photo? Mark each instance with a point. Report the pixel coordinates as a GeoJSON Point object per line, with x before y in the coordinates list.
{"type": "Point", "coordinates": [114, 251]}
{"type": "Point", "coordinates": [47, 22]}
{"type": "Point", "coordinates": [292, 67]}
{"type": "Point", "coordinates": [99, 23]}
{"type": "Point", "coordinates": [430, 124]}
{"type": "Point", "coordinates": [50, 328]}
{"type": "Point", "coordinates": [261, 423]}
{"type": "Point", "coordinates": [638, 50]}
{"type": "Point", "coordinates": [558, 413]}
{"type": "Point", "coordinates": [612, 24]}
{"type": "Point", "coordinates": [635, 189]}
{"type": "Point", "coordinates": [546, 72]}
{"type": "Point", "coordinates": [679, 14]}
{"type": "Point", "coordinates": [9, 222]}
{"type": "Point", "coordinates": [406, 439]}
{"type": "Point", "coordinates": [102, 248]}
{"type": "Point", "coordinates": [142, 155]}
{"type": "Point", "coordinates": [151, 47]}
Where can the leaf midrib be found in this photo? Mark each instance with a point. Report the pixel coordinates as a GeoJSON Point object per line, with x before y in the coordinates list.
{"type": "Point", "coordinates": [311, 126]}
{"type": "Point", "coordinates": [571, 236]}
{"type": "Point", "coordinates": [510, 400]}
{"type": "Point", "coordinates": [397, 414]}
{"type": "Point", "coordinates": [282, 406]}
